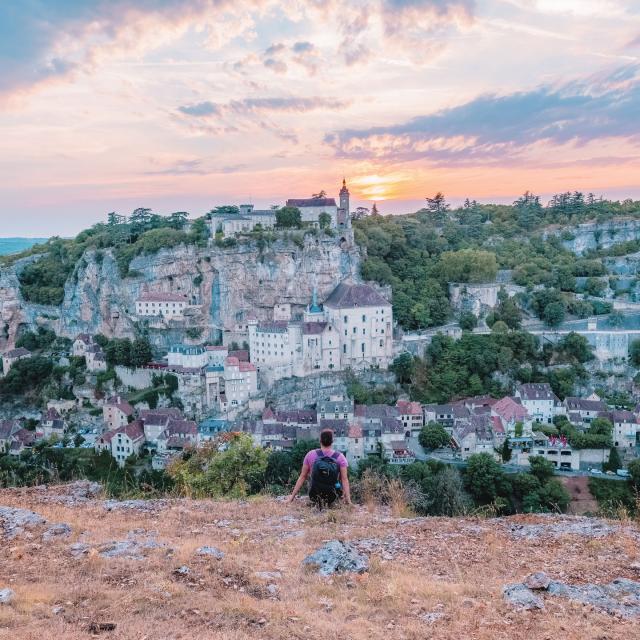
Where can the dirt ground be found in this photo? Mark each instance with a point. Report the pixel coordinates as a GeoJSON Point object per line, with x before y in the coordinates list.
{"type": "Point", "coordinates": [428, 577]}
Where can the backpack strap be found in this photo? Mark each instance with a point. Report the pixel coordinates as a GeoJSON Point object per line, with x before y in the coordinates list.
{"type": "Point", "coordinates": [319, 453]}
{"type": "Point", "coordinates": [335, 455]}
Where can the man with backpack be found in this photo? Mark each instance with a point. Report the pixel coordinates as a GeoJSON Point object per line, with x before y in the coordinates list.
{"type": "Point", "coordinates": [328, 471]}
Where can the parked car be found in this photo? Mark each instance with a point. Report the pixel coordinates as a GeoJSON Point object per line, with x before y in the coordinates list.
{"type": "Point", "coordinates": [623, 473]}
{"type": "Point", "coordinates": [596, 471]}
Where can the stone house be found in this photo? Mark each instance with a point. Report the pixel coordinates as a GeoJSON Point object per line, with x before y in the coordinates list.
{"type": "Point", "coordinates": [9, 358]}
{"type": "Point", "coordinates": [116, 412]}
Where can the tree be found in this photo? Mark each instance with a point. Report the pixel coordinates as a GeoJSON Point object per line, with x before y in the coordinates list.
{"type": "Point", "coordinates": [224, 210]}
{"type": "Point", "coordinates": [615, 462]}
{"type": "Point", "coordinates": [468, 321]}
{"type": "Point", "coordinates": [468, 265]}
{"type": "Point", "coordinates": [141, 353]}
{"type": "Point", "coordinates": [437, 206]}
{"type": "Point", "coordinates": [374, 210]}
{"type": "Point", "coordinates": [404, 368]}
{"type": "Point", "coordinates": [177, 220]}
{"type": "Point", "coordinates": [232, 467]}
{"type": "Point", "coordinates": [484, 478]}
{"type": "Point", "coordinates": [433, 436]}
{"type": "Point", "coordinates": [634, 472]}
{"type": "Point", "coordinates": [448, 497]}
{"type": "Point", "coordinates": [360, 213]}
{"type": "Point", "coordinates": [601, 427]}
{"type": "Point", "coordinates": [289, 217]}
{"type": "Point", "coordinates": [554, 313]}
{"type": "Point", "coordinates": [505, 451]}
{"type": "Point", "coordinates": [517, 429]}
{"type": "Point", "coordinates": [634, 353]}
{"type": "Point", "coordinates": [576, 347]}
{"type": "Point", "coordinates": [324, 220]}
{"type": "Point", "coordinates": [541, 468]}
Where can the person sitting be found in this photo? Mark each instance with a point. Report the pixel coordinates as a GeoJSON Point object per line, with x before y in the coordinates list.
{"type": "Point", "coordinates": [328, 471]}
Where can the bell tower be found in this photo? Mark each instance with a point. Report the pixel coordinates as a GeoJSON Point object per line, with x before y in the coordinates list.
{"type": "Point", "coordinates": [344, 198]}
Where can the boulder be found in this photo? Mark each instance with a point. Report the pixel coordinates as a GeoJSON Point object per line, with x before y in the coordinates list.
{"type": "Point", "coordinates": [337, 557]}
{"type": "Point", "coordinates": [538, 580]}
{"type": "Point", "coordinates": [6, 596]}
{"type": "Point", "coordinates": [520, 596]}
{"type": "Point", "coordinates": [59, 530]}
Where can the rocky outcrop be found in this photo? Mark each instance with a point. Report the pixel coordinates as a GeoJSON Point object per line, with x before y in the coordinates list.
{"type": "Point", "coordinates": [337, 557]}
{"type": "Point", "coordinates": [597, 235]}
{"type": "Point", "coordinates": [222, 285]}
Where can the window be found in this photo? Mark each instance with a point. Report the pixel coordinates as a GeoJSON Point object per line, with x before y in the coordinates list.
{"type": "Point", "coordinates": [362, 347]}
{"type": "Point", "coordinates": [346, 319]}
{"type": "Point", "coordinates": [344, 348]}
{"type": "Point", "coordinates": [381, 342]}
{"type": "Point", "coordinates": [364, 318]}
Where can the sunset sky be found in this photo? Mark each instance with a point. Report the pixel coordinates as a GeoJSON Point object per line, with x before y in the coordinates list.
{"type": "Point", "coordinates": [185, 104]}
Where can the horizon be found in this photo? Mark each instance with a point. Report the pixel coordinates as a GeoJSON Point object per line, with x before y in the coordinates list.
{"type": "Point", "coordinates": [185, 104]}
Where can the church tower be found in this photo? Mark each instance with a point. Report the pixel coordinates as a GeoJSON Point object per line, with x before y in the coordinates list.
{"type": "Point", "coordinates": [344, 198]}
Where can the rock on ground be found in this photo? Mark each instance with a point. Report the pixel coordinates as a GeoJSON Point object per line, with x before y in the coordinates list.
{"type": "Point", "coordinates": [619, 597]}
{"type": "Point", "coordinates": [522, 597]}
{"type": "Point", "coordinates": [337, 557]}
{"type": "Point", "coordinates": [538, 580]}
{"type": "Point", "coordinates": [6, 596]}
{"type": "Point", "coordinates": [210, 551]}
{"type": "Point", "coordinates": [563, 525]}
{"type": "Point", "coordinates": [59, 530]}
{"type": "Point", "coordinates": [14, 521]}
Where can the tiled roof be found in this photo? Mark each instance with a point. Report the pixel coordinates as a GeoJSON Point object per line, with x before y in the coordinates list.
{"type": "Point", "coordinates": [311, 202]}
{"type": "Point", "coordinates": [375, 411]}
{"type": "Point", "coordinates": [134, 430]}
{"type": "Point", "coordinates": [18, 353]}
{"type": "Point", "coordinates": [84, 337]}
{"type": "Point", "coordinates": [8, 428]}
{"type": "Point", "coordinates": [346, 296]}
{"type": "Point", "coordinates": [581, 404]}
{"type": "Point", "coordinates": [241, 354]}
{"type": "Point", "coordinates": [276, 326]}
{"type": "Point", "coordinates": [508, 409]}
{"type": "Point", "coordinates": [407, 408]}
{"type": "Point", "coordinates": [536, 391]}
{"type": "Point", "coordinates": [247, 366]}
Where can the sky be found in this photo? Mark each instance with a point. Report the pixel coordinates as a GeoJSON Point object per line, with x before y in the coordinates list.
{"type": "Point", "coordinates": [182, 105]}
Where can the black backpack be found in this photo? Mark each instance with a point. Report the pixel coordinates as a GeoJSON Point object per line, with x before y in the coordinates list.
{"type": "Point", "coordinates": [325, 475]}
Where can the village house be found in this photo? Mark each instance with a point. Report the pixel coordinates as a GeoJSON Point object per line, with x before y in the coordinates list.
{"type": "Point", "coordinates": [584, 410]}
{"type": "Point", "coordinates": [127, 441]}
{"type": "Point", "coordinates": [80, 345]}
{"type": "Point", "coordinates": [167, 305]}
{"type": "Point", "coordinates": [335, 409]}
{"type": "Point", "coordinates": [116, 412]}
{"type": "Point", "coordinates": [9, 358]}
{"type": "Point", "coordinates": [51, 424]}
{"type": "Point", "coordinates": [411, 416]}
{"type": "Point", "coordinates": [538, 399]}
{"type": "Point", "coordinates": [95, 359]}
{"type": "Point", "coordinates": [625, 428]}
{"type": "Point", "coordinates": [8, 430]}
{"type": "Point", "coordinates": [512, 413]}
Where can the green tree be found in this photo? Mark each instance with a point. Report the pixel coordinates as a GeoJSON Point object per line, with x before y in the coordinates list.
{"type": "Point", "coordinates": [554, 313]}
{"type": "Point", "coordinates": [484, 479]}
{"type": "Point", "coordinates": [505, 451]}
{"type": "Point", "coordinates": [634, 353]}
{"type": "Point", "coordinates": [634, 472]}
{"type": "Point", "coordinates": [289, 217]}
{"type": "Point", "coordinates": [324, 220]}
{"type": "Point", "coordinates": [433, 436]}
{"type": "Point", "coordinates": [468, 321]}
{"type": "Point", "coordinates": [141, 353]}
{"type": "Point", "coordinates": [231, 468]}
{"type": "Point", "coordinates": [404, 368]}
{"type": "Point", "coordinates": [541, 468]}
{"type": "Point", "coordinates": [615, 462]}
{"type": "Point", "coordinates": [468, 265]}
{"type": "Point", "coordinates": [448, 497]}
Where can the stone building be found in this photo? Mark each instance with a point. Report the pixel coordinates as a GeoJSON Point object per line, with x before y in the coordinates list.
{"type": "Point", "coordinates": [11, 357]}
{"type": "Point", "coordinates": [167, 305]}
{"type": "Point", "coordinates": [353, 329]}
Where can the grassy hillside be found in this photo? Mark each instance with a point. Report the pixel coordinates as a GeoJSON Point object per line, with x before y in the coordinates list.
{"type": "Point", "coordinates": [435, 578]}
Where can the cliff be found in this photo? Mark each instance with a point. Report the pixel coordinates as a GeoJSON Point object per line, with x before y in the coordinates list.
{"type": "Point", "coordinates": [75, 565]}
{"type": "Point", "coordinates": [597, 235]}
{"type": "Point", "coordinates": [222, 286]}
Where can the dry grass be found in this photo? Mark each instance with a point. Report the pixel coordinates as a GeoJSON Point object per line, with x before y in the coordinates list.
{"type": "Point", "coordinates": [457, 568]}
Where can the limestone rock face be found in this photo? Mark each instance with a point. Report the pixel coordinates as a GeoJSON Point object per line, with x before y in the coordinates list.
{"type": "Point", "coordinates": [222, 285]}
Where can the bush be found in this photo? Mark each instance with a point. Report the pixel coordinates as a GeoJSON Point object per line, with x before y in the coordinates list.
{"type": "Point", "coordinates": [433, 436]}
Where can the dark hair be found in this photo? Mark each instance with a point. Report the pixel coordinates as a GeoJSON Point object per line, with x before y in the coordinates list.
{"type": "Point", "coordinates": [326, 437]}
